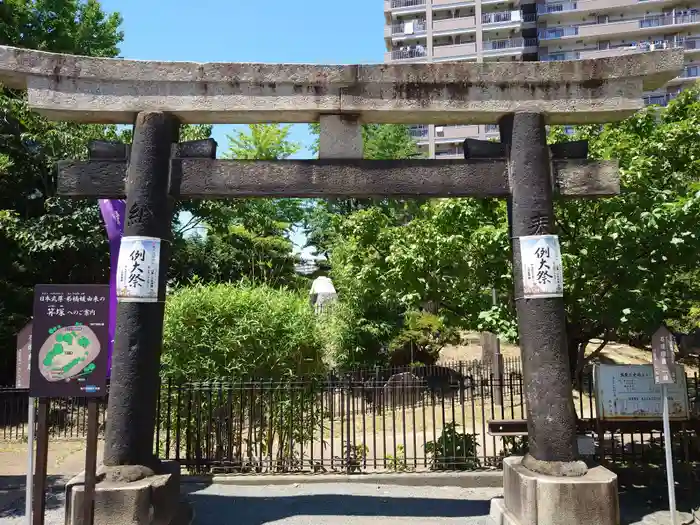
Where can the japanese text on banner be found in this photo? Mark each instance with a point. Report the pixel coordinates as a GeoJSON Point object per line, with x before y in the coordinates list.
{"type": "Point", "coordinates": [138, 269]}
{"type": "Point", "coordinates": [542, 270]}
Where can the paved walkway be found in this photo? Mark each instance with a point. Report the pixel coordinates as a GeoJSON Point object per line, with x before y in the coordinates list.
{"type": "Point", "coordinates": [339, 503]}
{"type": "Point", "coordinates": [346, 503]}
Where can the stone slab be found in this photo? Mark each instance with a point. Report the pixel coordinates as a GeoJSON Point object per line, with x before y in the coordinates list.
{"type": "Point", "coordinates": [536, 499]}
{"type": "Point", "coordinates": [103, 90]}
{"type": "Point", "coordinates": [663, 517]}
{"type": "Point", "coordinates": [225, 179]}
{"type": "Point", "coordinates": [153, 500]}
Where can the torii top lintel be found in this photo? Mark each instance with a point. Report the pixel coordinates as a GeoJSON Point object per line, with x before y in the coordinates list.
{"type": "Point", "coordinates": [106, 90]}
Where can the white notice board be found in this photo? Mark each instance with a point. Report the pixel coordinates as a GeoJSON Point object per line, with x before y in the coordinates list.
{"type": "Point", "coordinates": [628, 392]}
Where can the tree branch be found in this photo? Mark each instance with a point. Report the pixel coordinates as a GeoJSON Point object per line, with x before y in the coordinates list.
{"type": "Point", "coordinates": [191, 224]}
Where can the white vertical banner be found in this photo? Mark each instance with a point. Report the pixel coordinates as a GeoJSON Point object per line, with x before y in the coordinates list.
{"type": "Point", "coordinates": [138, 270]}
{"type": "Point", "coordinates": [542, 271]}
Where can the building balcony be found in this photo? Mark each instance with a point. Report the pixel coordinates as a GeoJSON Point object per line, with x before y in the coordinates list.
{"type": "Point", "coordinates": [455, 133]}
{"type": "Point", "coordinates": [466, 23]}
{"type": "Point", "coordinates": [563, 55]}
{"type": "Point", "coordinates": [504, 18]}
{"type": "Point", "coordinates": [583, 6]}
{"type": "Point", "coordinates": [689, 74]}
{"type": "Point", "coordinates": [659, 100]}
{"type": "Point", "coordinates": [690, 44]}
{"type": "Point", "coordinates": [554, 33]}
{"type": "Point", "coordinates": [454, 51]}
{"type": "Point", "coordinates": [418, 132]}
{"type": "Point", "coordinates": [509, 45]}
{"type": "Point", "coordinates": [415, 27]}
{"type": "Point", "coordinates": [594, 52]}
{"type": "Point", "coordinates": [399, 4]}
{"type": "Point", "coordinates": [405, 54]}
{"type": "Point", "coordinates": [451, 4]}
{"type": "Point", "coordinates": [617, 29]}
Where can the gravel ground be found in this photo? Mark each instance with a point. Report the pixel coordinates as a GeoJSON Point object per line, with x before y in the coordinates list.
{"type": "Point", "coordinates": [346, 503]}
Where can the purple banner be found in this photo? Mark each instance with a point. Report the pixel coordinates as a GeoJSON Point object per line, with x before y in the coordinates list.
{"type": "Point", "coordinates": [113, 214]}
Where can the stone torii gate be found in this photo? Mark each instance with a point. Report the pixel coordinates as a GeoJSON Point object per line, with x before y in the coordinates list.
{"type": "Point", "coordinates": [550, 485]}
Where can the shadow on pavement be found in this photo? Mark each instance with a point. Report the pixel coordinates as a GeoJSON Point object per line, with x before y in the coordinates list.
{"type": "Point", "coordinates": [637, 502]}
{"type": "Point", "coordinates": [12, 494]}
{"type": "Point", "coordinates": [261, 510]}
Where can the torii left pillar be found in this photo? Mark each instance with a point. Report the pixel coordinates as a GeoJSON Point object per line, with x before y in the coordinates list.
{"type": "Point", "coordinates": [133, 485]}
{"type": "Point", "coordinates": [139, 330]}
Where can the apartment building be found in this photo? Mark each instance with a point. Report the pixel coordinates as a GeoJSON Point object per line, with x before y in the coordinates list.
{"type": "Point", "coordinates": [498, 30]}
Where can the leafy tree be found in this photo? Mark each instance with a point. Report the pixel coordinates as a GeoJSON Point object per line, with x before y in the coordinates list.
{"type": "Point", "coordinates": [232, 256]}
{"type": "Point", "coordinates": [421, 339]}
{"type": "Point", "coordinates": [625, 257]}
{"type": "Point", "coordinates": [262, 142]}
{"type": "Point", "coordinates": [51, 240]}
{"type": "Point", "coordinates": [245, 238]}
{"type": "Point", "coordinates": [75, 27]}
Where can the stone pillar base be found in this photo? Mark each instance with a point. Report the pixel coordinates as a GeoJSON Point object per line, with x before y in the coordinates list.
{"type": "Point", "coordinates": [536, 499]}
{"type": "Point", "coordinates": [131, 496]}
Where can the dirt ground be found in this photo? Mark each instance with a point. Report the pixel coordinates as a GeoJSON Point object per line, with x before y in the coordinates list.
{"type": "Point", "coordinates": [66, 457]}
{"type": "Point", "coordinates": [614, 353]}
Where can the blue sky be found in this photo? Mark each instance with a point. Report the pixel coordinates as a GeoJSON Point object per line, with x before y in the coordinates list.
{"type": "Point", "coordinates": [302, 31]}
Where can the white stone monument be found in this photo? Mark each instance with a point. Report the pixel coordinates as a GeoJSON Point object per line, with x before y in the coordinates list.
{"type": "Point", "coordinates": [322, 294]}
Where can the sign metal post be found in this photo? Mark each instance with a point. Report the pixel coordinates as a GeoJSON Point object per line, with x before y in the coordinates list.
{"type": "Point", "coordinates": [663, 362]}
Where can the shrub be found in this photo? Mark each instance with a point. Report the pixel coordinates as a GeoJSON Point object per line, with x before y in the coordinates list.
{"type": "Point", "coordinates": [351, 340]}
{"type": "Point", "coordinates": [239, 331]}
{"type": "Point", "coordinates": [453, 450]}
{"type": "Point", "coordinates": [235, 333]}
{"type": "Point", "coordinates": [421, 339]}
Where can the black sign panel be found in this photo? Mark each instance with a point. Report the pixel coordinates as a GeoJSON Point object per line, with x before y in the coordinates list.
{"type": "Point", "coordinates": [24, 350]}
{"type": "Point", "coordinates": [69, 340]}
{"type": "Point", "coordinates": [662, 357]}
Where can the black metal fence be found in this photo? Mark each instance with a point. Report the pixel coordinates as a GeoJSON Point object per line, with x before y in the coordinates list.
{"type": "Point", "coordinates": [425, 418]}
{"type": "Point", "coordinates": [404, 419]}
{"type": "Point", "coordinates": [403, 424]}
{"type": "Point", "coordinates": [67, 417]}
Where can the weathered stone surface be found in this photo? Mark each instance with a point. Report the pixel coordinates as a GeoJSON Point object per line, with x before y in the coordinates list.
{"type": "Point", "coordinates": [129, 433]}
{"type": "Point", "coordinates": [224, 179]}
{"type": "Point", "coordinates": [340, 138]}
{"type": "Point", "coordinates": [106, 90]}
{"type": "Point", "coordinates": [566, 469]}
{"type": "Point", "coordinates": [489, 346]}
{"type": "Point", "coordinates": [152, 500]}
{"type": "Point", "coordinates": [537, 499]}
{"type": "Point", "coordinates": [403, 389]}
{"type": "Point", "coordinates": [123, 473]}
{"type": "Point", "coordinates": [541, 320]}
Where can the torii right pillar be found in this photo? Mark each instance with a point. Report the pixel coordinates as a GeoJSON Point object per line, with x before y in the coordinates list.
{"type": "Point", "coordinates": [550, 485]}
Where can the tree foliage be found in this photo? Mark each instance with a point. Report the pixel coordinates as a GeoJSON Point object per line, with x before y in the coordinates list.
{"type": "Point", "coordinates": [262, 142]}
{"type": "Point", "coordinates": [51, 240]}
{"type": "Point", "coordinates": [625, 257]}
{"type": "Point", "coordinates": [75, 27]}
{"type": "Point", "coordinates": [629, 260]}
{"type": "Point", "coordinates": [244, 238]}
